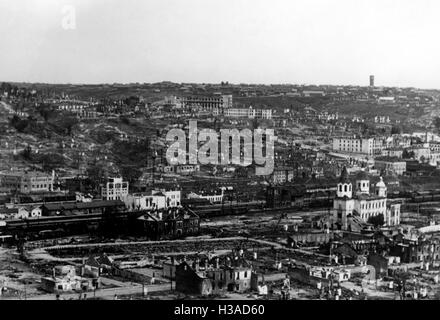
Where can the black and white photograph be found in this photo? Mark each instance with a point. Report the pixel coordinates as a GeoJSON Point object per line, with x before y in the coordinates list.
{"type": "Point", "coordinates": [230, 152]}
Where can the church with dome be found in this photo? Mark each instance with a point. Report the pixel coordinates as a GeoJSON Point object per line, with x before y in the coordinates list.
{"type": "Point", "coordinates": [357, 202]}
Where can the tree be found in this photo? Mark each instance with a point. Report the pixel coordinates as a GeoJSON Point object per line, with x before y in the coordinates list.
{"type": "Point", "coordinates": [130, 173]}
{"type": "Point", "coordinates": [124, 120]}
{"type": "Point", "coordinates": [96, 174]}
{"type": "Point", "coordinates": [396, 130]}
{"type": "Point", "coordinates": [68, 123]}
{"type": "Point", "coordinates": [27, 153]}
{"type": "Point", "coordinates": [377, 221]}
{"type": "Point", "coordinates": [19, 124]}
{"type": "Point", "coordinates": [45, 111]}
{"type": "Point", "coordinates": [51, 161]}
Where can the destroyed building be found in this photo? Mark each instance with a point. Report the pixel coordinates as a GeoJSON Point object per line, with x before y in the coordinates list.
{"type": "Point", "coordinates": [173, 222]}
{"type": "Point", "coordinates": [229, 273]}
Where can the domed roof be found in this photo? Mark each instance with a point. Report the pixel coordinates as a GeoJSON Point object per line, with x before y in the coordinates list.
{"type": "Point", "coordinates": [344, 176]}
{"type": "Point", "coordinates": [381, 184]}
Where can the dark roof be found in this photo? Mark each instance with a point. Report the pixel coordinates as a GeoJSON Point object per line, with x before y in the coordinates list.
{"type": "Point", "coordinates": [362, 176]}
{"type": "Point", "coordinates": [8, 211]}
{"type": "Point", "coordinates": [368, 197]}
{"type": "Point", "coordinates": [99, 260]}
{"type": "Point", "coordinates": [82, 205]}
{"type": "Point", "coordinates": [389, 159]}
{"type": "Point", "coordinates": [346, 249]}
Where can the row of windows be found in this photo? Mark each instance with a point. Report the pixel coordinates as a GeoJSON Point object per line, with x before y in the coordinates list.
{"type": "Point", "coordinates": [37, 186]}
{"type": "Point", "coordinates": [363, 184]}
{"type": "Point", "coordinates": [374, 205]}
{"type": "Point", "coordinates": [117, 192]}
{"type": "Point", "coordinates": [231, 275]}
{"type": "Point", "coordinates": [367, 216]}
{"type": "Point", "coordinates": [347, 188]}
{"type": "Point", "coordinates": [117, 186]}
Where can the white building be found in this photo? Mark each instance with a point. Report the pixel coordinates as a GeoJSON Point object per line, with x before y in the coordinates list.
{"type": "Point", "coordinates": [249, 113]}
{"type": "Point", "coordinates": [144, 202]}
{"type": "Point", "coordinates": [213, 197]}
{"type": "Point", "coordinates": [386, 100]}
{"type": "Point", "coordinates": [426, 153]}
{"type": "Point", "coordinates": [353, 204]}
{"type": "Point", "coordinates": [158, 199]}
{"type": "Point", "coordinates": [365, 146]}
{"type": "Point", "coordinates": [313, 93]}
{"type": "Point", "coordinates": [114, 189]}
{"type": "Point", "coordinates": [354, 145]}
{"type": "Point", "coordinates": [172, 198]}
{"type": "Point", "coordinates": [382, 119]}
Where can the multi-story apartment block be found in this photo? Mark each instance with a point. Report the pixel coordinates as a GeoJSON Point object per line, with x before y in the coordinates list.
{"type": "Point", "coordinates": [114, 189]}
{"type": "Point", "coordinates": [157, 199]}
{"type": "Point", "coordinates": [208, 102]}
{"type": "Point", "coordinates": [391, 165]}
{"type": "Point", "coordinates": [354, 145]}
{"type": "Point", "coordinates": [27, 182]}
{"type": "Point", "coordinates": [282, 175]}
{"type": "Point", "coordinates": [366, 146]}
{"type": "Point", "coordinates": [249, 113]}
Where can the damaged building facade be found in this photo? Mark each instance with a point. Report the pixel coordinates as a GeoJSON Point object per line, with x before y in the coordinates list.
{"type": "Point", "coordinates": [230, 273]}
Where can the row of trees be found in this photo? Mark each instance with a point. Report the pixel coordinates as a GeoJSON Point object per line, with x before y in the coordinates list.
{"type": "Point", "coordinates": [61, 126]}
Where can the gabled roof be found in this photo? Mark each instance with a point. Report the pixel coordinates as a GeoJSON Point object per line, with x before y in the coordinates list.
{"type": "Point", "coordinates": [104, 259]}
{"type": "Point", "coordinates": [346, 250]}
{"type": "Point", "coordinates": [99, 261]}
{"type": "Point", "coordinates": [92, 261]}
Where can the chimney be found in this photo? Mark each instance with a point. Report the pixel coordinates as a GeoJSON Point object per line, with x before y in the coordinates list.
{"type": "Point", "coordinates": [53, 273]}
{"type": "Point", "coordinates": [206, 263]}
{"type": "Point", "coordinates": [217, 262]}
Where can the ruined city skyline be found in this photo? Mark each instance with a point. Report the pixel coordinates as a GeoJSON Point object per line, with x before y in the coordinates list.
{"type": "Point", "coordinates": [146, 153]}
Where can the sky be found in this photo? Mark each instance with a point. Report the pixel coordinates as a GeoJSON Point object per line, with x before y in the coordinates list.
{"type": "Point", "coordinates": [339, 42]}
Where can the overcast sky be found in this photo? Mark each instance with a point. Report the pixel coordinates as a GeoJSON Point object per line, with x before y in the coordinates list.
{"type": "Point", "coordinates": [249, 41]}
